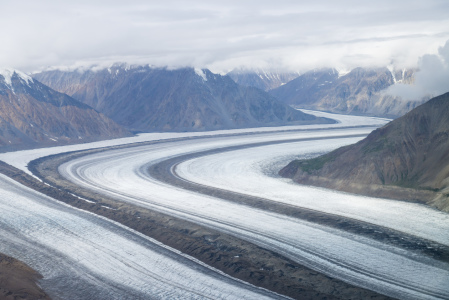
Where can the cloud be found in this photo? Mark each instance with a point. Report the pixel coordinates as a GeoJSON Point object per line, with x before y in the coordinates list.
{"type": "Point", "coordinates": [220, 35]}
{"type": "Point", "coordinates": [431, 79]}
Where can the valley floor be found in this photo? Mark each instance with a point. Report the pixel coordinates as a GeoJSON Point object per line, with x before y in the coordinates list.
{"type": "Point", "coordinates": [82, 254]}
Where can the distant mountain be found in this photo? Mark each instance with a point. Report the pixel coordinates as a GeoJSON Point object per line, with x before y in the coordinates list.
{"type": "Point", "coordinates": [261, 79]}
{"type": "Point", "coordinates": [146, 99]}
{"type": "Point", "coordinates": [406, 159]}
{"type": "Point", "coordinates": [31, 113]}
{"type": "Point", "coordinates": [359, 92]}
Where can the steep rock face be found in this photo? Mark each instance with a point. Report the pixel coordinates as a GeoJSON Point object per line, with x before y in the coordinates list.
{"type": "Point", "coordinates": [406, 159]}
{"type": "Point", "coordinates": [261, 79]}
{"type": "Point", "coordinates": [154, 99]}
{"type": "Point", "coordinates": [32, 113]}
{"type": "Point", "coordinates": [359, 92]}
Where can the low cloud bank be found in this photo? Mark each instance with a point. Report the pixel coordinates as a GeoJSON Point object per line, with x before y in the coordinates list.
{"type": "Point", "coordinates": [432, 79]}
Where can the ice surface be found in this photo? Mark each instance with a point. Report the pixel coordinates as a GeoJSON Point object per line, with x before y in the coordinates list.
{"type": "Point", "coordinates": [114, 258]}
{"type": "Point", "coordinates": [122, 174]}
{"type": "Point", "coordinates": [83, 256]}
{"type": "Point", "coordinates": [245, 171]}
{"type": "Point", "coordinates": [20, 159]}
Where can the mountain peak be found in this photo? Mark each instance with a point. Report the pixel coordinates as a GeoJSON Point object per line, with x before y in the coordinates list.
{"type": "Point", "coordinates": [149, 99]}
{"type": "Point", "coordinates": [262, 78]}
{"type": "Point", "coordinates": [9, 73]}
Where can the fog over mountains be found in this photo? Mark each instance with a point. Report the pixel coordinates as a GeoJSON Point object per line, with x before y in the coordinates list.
{"type": "Point", "coordinates": [148, 99]}
{"type": "Point", "coordinates": [31, 113]}
{"type": "Point", "coordinates": [142, 98]}
{"type": "Point", "coordinates": [361, 91]}
{"type": "Point", "coordinates": [262, 79]}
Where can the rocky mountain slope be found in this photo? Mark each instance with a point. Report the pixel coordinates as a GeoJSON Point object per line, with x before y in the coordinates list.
{"type": "Point", "coordinates": [142, 98]}
{"type": "Point", "coordinates": [19, 281]}
{"type": "Point", "coordinates": [360, 92]}
{"type": "Point", "coordinates": [261, 79]}
{"type": "Point", "coordinates": [406, 159]}
{"type": "Point", "coordinates": [33, 114]}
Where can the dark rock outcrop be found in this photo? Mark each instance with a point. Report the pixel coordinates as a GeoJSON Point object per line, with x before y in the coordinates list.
{"type": "Point", "coordinates": [148, 99]}
{"type": "Point", "coordinates": [407, 159]}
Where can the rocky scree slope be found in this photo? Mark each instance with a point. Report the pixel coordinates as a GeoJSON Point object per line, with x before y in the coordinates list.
{"type": "Point", "coordinates": [33, 114]}
{"type": "Point", "coordinates": [359, 92]}
{"type": "Point", "coordinates": [407, 159]}
{"type": "Point", "coordinates": [148, 99]}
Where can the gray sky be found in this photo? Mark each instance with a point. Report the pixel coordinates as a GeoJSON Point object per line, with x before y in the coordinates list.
{"type": "Point", "coordinates": [432, 79]}
{"type": "Point", "coordinates": [221, 35]}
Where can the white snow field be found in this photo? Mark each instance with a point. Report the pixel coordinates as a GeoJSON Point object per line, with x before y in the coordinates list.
{"type": "Point", "coordinates": [122, 174]}
{"type": "Point", "coordinates": [83, 256]}
{"type": "Point", "coordinates": [253, 172]}
{"type": "Point", "coordinates": [108, 259]}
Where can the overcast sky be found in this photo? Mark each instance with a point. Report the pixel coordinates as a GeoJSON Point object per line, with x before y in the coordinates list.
{"type": "Point", "coordinates": [221, 35]}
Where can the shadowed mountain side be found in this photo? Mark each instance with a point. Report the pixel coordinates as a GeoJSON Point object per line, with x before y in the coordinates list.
{"type": "Point", "coordinates": [407, 159]}
{"type": "Point", "coordinates": [32, 114]}
{"type": "Point", "coordinates": [148, 99]}
{"type": "Point", "coordinates": [359, 92]}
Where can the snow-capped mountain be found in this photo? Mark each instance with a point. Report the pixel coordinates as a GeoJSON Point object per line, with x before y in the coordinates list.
{"type": "Point", "coordinates": [143, 98]}
{"type": "Point", "coordinates": [261, 79]}
{"type": "Point", "coordinates": [360, 91]}
{"type": "Point", "coordinates": [32, 113]}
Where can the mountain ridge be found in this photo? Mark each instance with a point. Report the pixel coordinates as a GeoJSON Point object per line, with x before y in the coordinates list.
{"type": "Point", "coordinates": [262, 79]}
{"type": "Point", "coordinates": [360, 92]}
{"type": "Point", "coordinates": [407, 159]}
{"type": "Point", "coordinates": [32, 114]}
{"type": "Point", "coordinates": [143, 98]}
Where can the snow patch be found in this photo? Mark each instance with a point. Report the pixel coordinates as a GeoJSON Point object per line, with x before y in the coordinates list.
{"type": "Point", "coordinates": [107, 207]}
{"type": "Point", "coordinates": [9, 73]}
{"type": "Point", "coordinates": [343, 72]}
{"type": "Point", "coordinates": [200, 73]}
{"type": "Point", "coordinates": [391, 69]}
{"type": "Point", "coordinates": [84, 199]}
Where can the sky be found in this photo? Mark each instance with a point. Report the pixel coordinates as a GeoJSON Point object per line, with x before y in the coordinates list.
{"type": "Point", "coordinates": [431, 79]}
{"type": "Point", "coordinates": [221, 35]}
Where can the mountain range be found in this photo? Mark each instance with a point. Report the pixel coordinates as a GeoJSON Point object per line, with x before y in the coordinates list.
{"type": "Point", "coordinates": [361, 92]}
{"type": "Point", "coordinates": [407, 159]}
{"type": "Point", "coordinates": [110, 102]}
{"type": "Point", "coordinates": [33, 114]}
{"type": "Point", "coordinates": [262, 79]}
{"type": "Point", "coordinates": [145, 99]}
